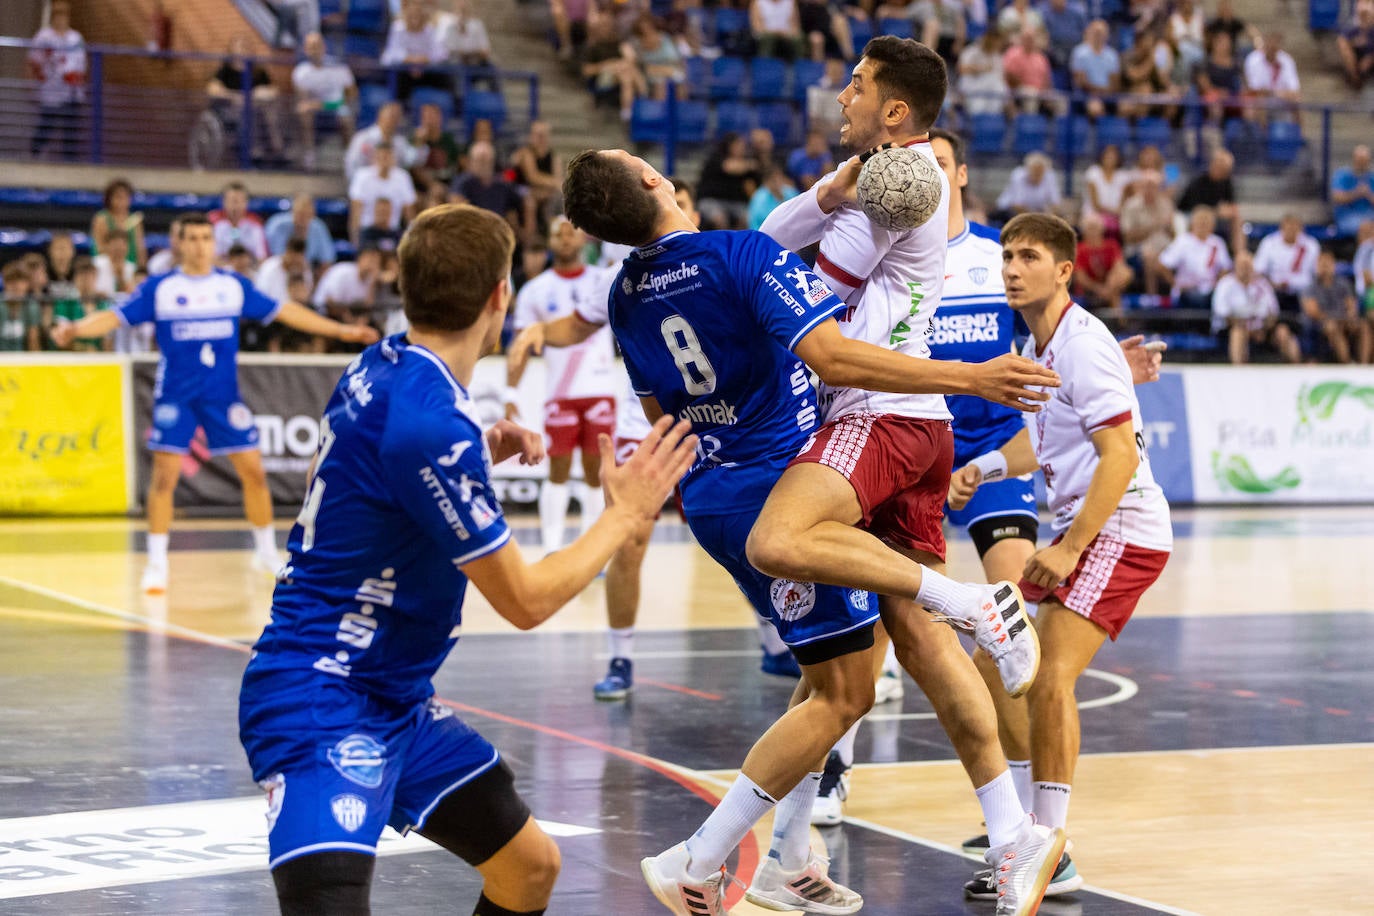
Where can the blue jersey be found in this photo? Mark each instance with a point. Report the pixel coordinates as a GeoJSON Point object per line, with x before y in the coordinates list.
{"type": "Point", "coordinates": [974, 324]}
{"type": "Point", "coordinates": [197, 330]}
{"type": "Point", "coordinates": [707, 322]}
{"type": "Point", "coordinates": [401, 498]}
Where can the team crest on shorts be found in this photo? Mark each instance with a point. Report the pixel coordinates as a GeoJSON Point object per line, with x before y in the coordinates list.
{"type": "Point", "coordinates": [349, 810]}
{"type": "Point", "coordinates": [275, 787]}
{"type": "Point", "coordinates": [240, 417]}
{"type": "Point", "coordinates": [859, 598]}
{"type": "Point", "coordinates": [792, 600]}
{"type": "Point", "coordinates": [166, 415]}
{"type": "Point", "coordinates": [360, 759]}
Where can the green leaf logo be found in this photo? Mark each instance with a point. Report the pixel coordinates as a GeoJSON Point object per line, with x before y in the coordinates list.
{"type": "Point", "coordinates": [1319, 401]}
{"type": "Point", "coordinates": [1234, 472]}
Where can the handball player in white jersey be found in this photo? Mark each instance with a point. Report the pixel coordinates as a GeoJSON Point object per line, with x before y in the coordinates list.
{"type": "Point", "coordinates": [1111, 520]}
{"type": "Point", "coordinates": [580, 381]}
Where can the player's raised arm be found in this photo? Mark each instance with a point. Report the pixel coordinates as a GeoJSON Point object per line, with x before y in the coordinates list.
{"type": "Point", "coordinates": [308, 321]}
{"type": "Point", "coordinates": [97, 324]}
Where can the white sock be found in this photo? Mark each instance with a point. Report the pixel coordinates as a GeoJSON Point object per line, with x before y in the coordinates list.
{"type": "Point", "coordinates": [1021, 775]}
{"type": "Point", "coordinates": [157, 550]}
{"type": "Point", "coordinates": [553, 513]}
{"type": "Point", "coordinates": [845, 746]}
{"type": "Point", "coordinates": [622, 642]}
{"type": "Point", "coordinates": [1002, 810]}
{"type": "Point", "coordinates": [265, 541]}
{"type": "Point", "coordinates": [768, 637]}
{"type": "Point", "coordinates": [593, 504]}
{"type": "Point", "coordinates": [890, 662]}
{"type": "Point", "coordinates": [792, 824]}
{"type": "Point", "coordinates": [943, 595]}
{"type": "Point", "coordinates": [1051, 806]}
{"type": "Point", "coordinates": [741, 808]}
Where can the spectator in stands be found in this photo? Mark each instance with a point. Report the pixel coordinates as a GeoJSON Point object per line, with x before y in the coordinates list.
{"type": "Point", "coordinates": [772, 191]}
{"type": "Point", "coordinates": [1104, 188]}
{"type": "Point", "coordinates": [241, 261]}
{"type": "Point", "coordinates": [571, 22]}
{"type": "Point", "coordinates": [763, 148]}
{"type": "Point", "coordinates": [821, 111]}
{"type": "Point", "coordinates": [1356, 45]}
{"type": "Point", "coordinates": [437, 148]}
{"type": "Point", "coordinates": [464, 36]}
{"type": "Point", "coordinates": [652, 50]}
{"type": "Point", "coordinates": [1147, 227]}
{"type": "Point", "coordinates": [1142, 77]}
{"type": "Point", "coordinates": [1329, 307]}
{"type": "Point", "coordinates": [1027, 70]}
{"type": "Point", "coordinates": [61, 259]}
{"type": "Point", "coordinates": [1219, 81]}
{"type": "Point", "coordinates": [1018, 16]}
{"type": "Point", "coordinates": [1215, 189]}
{"type": "Point", "coordinates": [1244, 37]}
{"type": "Point", "coordinates": [379, 234]}
{"type": "Point", "coordinates": [232, 79]}
{"type": "Point", "coordinates": [348, 290]}
{"type": "Point", "coordinates": [482, 187]}
{"type": "Point", "coordinates": [826, 30]}
{"type": "Point", "coordinates": [274, 275]}
{"type": "Point", "coordinates": [114, 271]}
{"type": "Point", "coordinates": [1150, 159]}
{"type": "Point", "coordinates": [413, 48]}
{"type": "Point", "coordinates": [608, 72]}
{"type": "Point", "coordinates": [1100, 271]}
{"type": "Point", "coordinates": [1352, 192]}
{"type": "Point", "coordinates": [21, 318]}
{"type": "Point", "coordinates": [90, 298]}
{"type": "Point", "coordinates": [1175, 68]}
{"type": "Point", "coordinates": [1187, 31]}
{"type": "Point", "coordinates": [941, 25]}
{"type": "Point", "coordinates": [982, 83]}
{"type": "Point", "coordinates": [382, 179]}
{"type": "Point", "coordinates": [115, 218]}
{"type": "Point", "coordinates": [233, 223]}
{"type": "Point", "coordinates": [1288, 260]}
{"type": "Point", "coordinates": [1245, 311]}
{"type": "Point", "coordinates": [1363, 267]}
{"type": "Point", "coordinates": [300, 222]}
{"type": "Point", "coordinates": [1194, 261]}
{"type": "Point", "coordinates": [323, 86]}
{"type": "Point", "coordinates": [387, 130]}
{"type": "Point", "coordinates": [1271, 76]}
{"type": "Point", "coordinates": [810, 161]}
{"type": "Point", "coordinates": [58, 62]}
{"type": "Point", "coordinates": [729, 177]}
{"type": "Point", "coordinates": [166, 260]}
{"type": "Point", "coordinates": [1065, 25]}
{"type": "Point", "coordinates": [539, 170]}
{"type": "Point", "coordinates": [1096, 69]}
{"type": "Point", "coordinates": [1032, 188]}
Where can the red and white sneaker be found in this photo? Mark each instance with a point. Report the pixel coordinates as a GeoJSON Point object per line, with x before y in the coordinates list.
{"type": "Point", "coordinates": [666, 874]}
{"type": "Point", "coordinates": [808, 889]}
{"type": "Point", "coordinates": [1002, 628]}
{"type": "Point", "coordinates": [1023, 868]}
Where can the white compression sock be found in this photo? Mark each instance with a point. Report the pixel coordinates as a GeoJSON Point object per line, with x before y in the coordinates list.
{"type": "Point", "coordinates": [1051, 807]}
{"type": "Point", "coordinates": [1002, 810]}
{"type": "Point", "coordinates": [768, 637]}
{"type": "Point", "coordinates": [741, 808]}
{"type": "Point", "coordinates": [265, 541]}
{"type": "Point", "coordinates": [1021, 776]}
{"type": "Point", "coordinates": [593, 504]}
{"type": "Point", "coordinates": [157, 550]}
{"type": "Point", "coordinates": [622, 642]}
{"type": "Point", "coordinates": [845, 746]}
{"type": "Point", "coordinates": [943, 595]}
{"type": "Point", "coordinates": [553, 514]}
{"type": "Point", "coordinates": [792, 824]}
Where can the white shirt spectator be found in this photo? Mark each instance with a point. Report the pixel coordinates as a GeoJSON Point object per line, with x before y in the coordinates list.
{"type": "Point", "coordinates": [1254, 301]}
{"type": "Point", "coordinates": [272, 279]}
{"type": "Point", "coordinates": [985, 92]}
{"type": "Point", "coordinates": [248, 232]}
{"type": "Point", "coordinates": [365, 141]}
{"type": "Point", "coordinates": [341, 285]}
{"type": "Point", "coordinates": [162, 262]}
{"type": "Point", "coordinates": [1110, 192]}
{"type": "Point", "coordinates": [776, 15]}
{"type": "Point", "coordinates": [1019, 192]}
{"type": "Point", "coordinates": [1197, 263]}
{"type": "Point", "coordinates": [327, 83]}
{"type": "Point", "coordinates": [368, 185]}
{"type": "Point", "coordinates": [463, 37]}
{"type": "Point", "coordinates": [105, 274]}
{"type": "Point", "coordinates": [1287, 267]}
{"type": "Point", "coordinates": [61, 58]}
{"type": "Point", "coordinates": [1364, 266]}
{"type": "Point", "coordinates": [1262, 76]}
{"type": "Point", "coordinates": [401, 43]}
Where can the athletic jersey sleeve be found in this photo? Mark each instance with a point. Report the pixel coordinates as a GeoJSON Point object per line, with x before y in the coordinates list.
{"type": "Point", "coordinates": [139, 307]}
{"type": "Point", "coordinates": [851, 248]}
{"type": "Point", "coordinates": [256, 304]}
{"type": "Point", "coordinates": [1172, 255]}
{"type": "Point", "coordinates": [1098, 384]}
{"type": "Point", "coordinates": [798, 222]}
{"type": "Point", "coordinates": [787, 299]}
{"type": "Point", "coordinates": [597, 309]}
{"type": "Point", "coordinates": [526, 305]}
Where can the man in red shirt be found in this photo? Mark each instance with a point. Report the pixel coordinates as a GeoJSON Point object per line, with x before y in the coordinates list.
{"type": "Point", "coordinates": [1100, 273]}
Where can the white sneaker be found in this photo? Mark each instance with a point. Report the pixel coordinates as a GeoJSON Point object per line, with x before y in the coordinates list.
{"type": "Point", "coordinates": [808, 889]}
{"type": "Point", "coordinates": [154, 581]}
{"type": "Point", "coordinates": [828, 808]}
{"type": "Point", "coordinates": [1023, 868]}
{"type": "Point", "coordinates": [888, 688]}
{"type": "Point", "coordinates": [267, 563]}
{"type": "Point", "coordinates": [1002, 628]}
{"type": "Point", "coordinates": [666, 874]}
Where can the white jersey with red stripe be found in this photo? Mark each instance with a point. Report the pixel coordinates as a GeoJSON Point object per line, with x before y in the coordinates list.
{"type": "Point", "coordinates": [1197, 263]}
{"type": "Point", "coordinates": [1290, 266]}
{"type": "Point", "coordinates": [585, 370]}
{"type": "Point", "coordinates": [892, 282]}
{"type": "Point", "coordinates": [1095, 393]}
{"type": "Point", "coordinates": [630, 422]}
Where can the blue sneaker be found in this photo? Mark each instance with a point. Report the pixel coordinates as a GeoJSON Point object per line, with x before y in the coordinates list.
{"type": "Point", "coordinates": [618, 682]}
{"type": "Point", "coordinates": [783, 664]}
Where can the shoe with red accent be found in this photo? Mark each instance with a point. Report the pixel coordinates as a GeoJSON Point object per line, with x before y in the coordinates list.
{"type": "Point", "coordinates": [809, 889]}
{"type": "Point", "coordinates": [1023, 868]}
{"type": "Point", "coordinates": [666, 874]}
{"type": "Point", "coordinates": [1003, 630]}
{"type": "Point", "coordinates": [154, 580]}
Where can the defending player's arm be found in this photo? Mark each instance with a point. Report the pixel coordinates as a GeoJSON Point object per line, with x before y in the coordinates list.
{"type": "Point", "coordinates": [96, 324]}
{"type": "Point", "coordinates": [1014, 459]}
{"type": "Point", "coordinates": [295, 315]}
{"type": "Point", "coordinates": [798, 222]}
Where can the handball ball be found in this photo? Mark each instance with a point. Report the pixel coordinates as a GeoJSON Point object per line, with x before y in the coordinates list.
{"type": "Point", "coordinates": [899, 188]}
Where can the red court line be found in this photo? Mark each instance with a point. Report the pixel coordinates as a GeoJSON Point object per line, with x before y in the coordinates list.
{"type": "Point", "coordinates": [687, 690]}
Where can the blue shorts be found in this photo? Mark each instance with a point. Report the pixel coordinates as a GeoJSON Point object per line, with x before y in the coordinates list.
{"type": "Point", "coordinates": [802, 612]}
{"type": "Point", "coordinates": [228, 426]}
{"type": "Point", "coordinates": [338, 765]}
{"type": "Point", "coordinates": [1012, 496]}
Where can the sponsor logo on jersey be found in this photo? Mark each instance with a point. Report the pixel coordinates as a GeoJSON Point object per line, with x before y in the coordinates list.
{"type": "Point", "coordinates": [360, 759]}
{"type": "Point", "coordinates": [349, 810]}
{"type": "Point", "coordinates": [240, 417]}
{"type": "Point", "coordinates": [480, 512]}
{"type": "Point", "coordinates": [627, 286]}
{"type": "Point", "coordinates": [218, 329]}
{"type": "Point", "coordinates": [454, 454]}
{"type": "Point", "coordinates": [978, 275]}
{"type": "Point", "coordinates": [275, 787]}
{"type": "Point", "coordinates": [717, 413]}
{"type": "Point", "coordinates": [818, 292]}
{"type": "Point", "coordinates": [792, 600]}
{"type": "Point", "coordinates": [438, 711]}
{"type": "Point", "coordinates": [182, 300]}
{"type": "Point", "coordinates": [658, 282]}
{"type": "Point", "coordinates": [784, 293]}
{"type": "Point", "coordinates": [970, 327]}
{"type": "Point", "coordinates": [359, 388]}
{"type": "Point", "coordinates": [166, 414]}
{"type": "Point", "coordinates": [443, 503]}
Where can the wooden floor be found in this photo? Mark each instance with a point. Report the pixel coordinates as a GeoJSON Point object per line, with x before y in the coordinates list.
{"type": "Point", "coordinates": [1228, 737]}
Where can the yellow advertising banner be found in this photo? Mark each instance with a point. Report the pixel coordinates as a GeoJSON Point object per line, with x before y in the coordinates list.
{"type": "Point", "coordinates": [62, 439]}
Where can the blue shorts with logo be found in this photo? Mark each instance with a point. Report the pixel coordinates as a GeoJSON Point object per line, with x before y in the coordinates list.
{"type": "Point", "coordinates": [1013, 496]}
{"type": "Point", "coordinates": [228, 426]}
{"type": "Point", "coordinates": [802, 612]}
{"type": "Point", "coordinates": [339, 765]}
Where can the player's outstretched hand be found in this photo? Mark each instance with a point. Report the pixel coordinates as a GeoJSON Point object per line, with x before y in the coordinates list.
{"type": "Point", "coordinates": [841, 189]}
{"type": "Point", "coordinates": [643, 482]}
{"type": "Point", "coordinates": [1015, 381]}
{"type": "Point", "coordinates": [507, 439]}
{"type": "Point", "coordinates": [63, 333]}
{"type": "Point", "coordinates": [530, 341]}
{"type": "Point", "coordinates": [962, 484]}
{"type": "Point", "coordinates": [1143, 358]}
{"type": "Point", "coordinates": [359, 333]}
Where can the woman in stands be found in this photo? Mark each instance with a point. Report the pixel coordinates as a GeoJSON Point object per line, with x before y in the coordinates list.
{"type": "Point", "coordinates": [116, 218]}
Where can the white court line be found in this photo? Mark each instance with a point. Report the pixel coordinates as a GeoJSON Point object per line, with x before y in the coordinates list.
{"type": "Point", "coordinates": [1125, 689]}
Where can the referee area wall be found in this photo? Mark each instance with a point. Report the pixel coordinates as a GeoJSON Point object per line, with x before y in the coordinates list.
{"type": "Point", "coordinates": [72, 428]}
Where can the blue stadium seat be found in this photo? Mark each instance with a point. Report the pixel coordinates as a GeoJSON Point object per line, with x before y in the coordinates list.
{"type": "Point", "coordinates": [648, 121]}
{"type": "Point", "coordinates": [767, 78]}
{"type": "Point", "coordinates": [371, 97]}
{"type": "Point", "coordinates": [1113, 131]}
{"type": "Point", "coordinates": [730, 21]}
{"type": "Point", "coordinates": [368, 16]}
{"type": "Point", "coordinates": [1285, 142]}
{"type": "Point", "coordinates": [1323, 15]}
{"type": "Point", "coordinates": [892, 25]}
{"type": "Point", "coordinates": [728, 75]}
{"type": "Point", "coordinates": [861, 31]}
{"type": "Point", "coordinates": [1030, 133]}
{"type": "Point", "coordinates": [734, 117]}
{"type": "Point", "coordinates": [805, 73]}
{"type": "Point", "coordinates": [1153, 132]}
{"type": "Point", "coordinates": [988, 133]}
{"type": "Point", "coordinates": [1072, 134]}
{"type": "Point", "coordinates": [429, 95]}
{"type": "Point", "coordinates": [366, 46]}
{"type": "Point", "coordinates": [778, 119]}
{"type": "Point", "coordinates": [698, 75]}
{"type": "Point", "coordinates": [481, 103]}
{"type": "Point", "coordinates": [693, 119]}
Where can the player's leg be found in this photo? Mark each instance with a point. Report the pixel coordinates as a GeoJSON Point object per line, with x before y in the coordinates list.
{"type": "Point", "coordinates": [622, 609]}
{"type": "Point", "coordinates": [597, 417]}
{"type": "Point", "coordinates": [257, 508]}
{"type": "Point", "coordinates": [554, 497]}
{"type": "Point", "coordinates": [325, 882]}
{"type": "Point", "coordinates": [833, 791]}
{"type": "Point", "coordinates": [161, 487]}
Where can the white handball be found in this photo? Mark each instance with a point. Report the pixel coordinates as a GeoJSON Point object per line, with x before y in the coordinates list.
{"type": "Point", "coordinates": [899, 188]}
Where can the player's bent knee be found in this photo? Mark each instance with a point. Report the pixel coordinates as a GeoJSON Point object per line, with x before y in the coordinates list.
{"type": "Point", "coordinates": [334, 882]}
{"type": "Point", "coordinates": [771, 552]}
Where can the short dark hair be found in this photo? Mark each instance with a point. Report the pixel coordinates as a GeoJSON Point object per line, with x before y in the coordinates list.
{"type": "Point", "coordinates": [295, 245]}
{"type": "Point", "coordinates": [956, 144]}
{"type": "Point", "coordinates": [1043, 229]}
{"type": "Point", "coordinates": [910, 71]}
{"type": "Point", "coordinates": [118, 184]}
{"type": "Point", "coordinates": [192, 219]}
{"type": "Point", "coordinates": [83, 264]}
{"type": "Point", "coordinates": [451, 259]}
{"type": "Point", "coordinates": [604, 198]}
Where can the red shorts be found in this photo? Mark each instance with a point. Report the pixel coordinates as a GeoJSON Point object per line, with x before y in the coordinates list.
{"type": "Point", "coordinates": [572, 423]}
{"type": "Point", "coordinates": [1108, 581]}
{"type": "Point", "coordinates": [899, 468]}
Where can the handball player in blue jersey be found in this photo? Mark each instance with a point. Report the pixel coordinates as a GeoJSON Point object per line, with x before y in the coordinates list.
{"type": "Point", "coordinates": [336, 711]}
{"type": "Point", "coordinates": [722, 329]}
{"type": "Point", "coordinates": [197, 309]}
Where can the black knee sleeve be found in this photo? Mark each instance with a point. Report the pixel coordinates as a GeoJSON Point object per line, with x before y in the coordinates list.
{"type": "Point", "coordinates": [475, 821]}
{"type": "Point", "coordinates": [333, 883]}
{"type": "Point", "coordinates": [988, 531]}
{"type": "Point", "coordinates": [486, 908]}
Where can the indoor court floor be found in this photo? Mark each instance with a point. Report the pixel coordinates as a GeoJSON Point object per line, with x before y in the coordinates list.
{"type": "Point", "coordinates": [1228, 737]}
